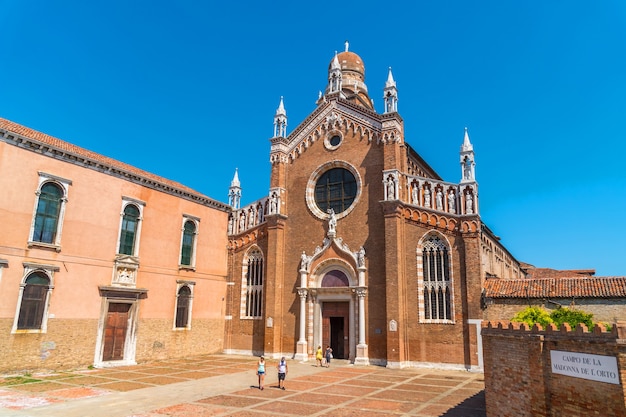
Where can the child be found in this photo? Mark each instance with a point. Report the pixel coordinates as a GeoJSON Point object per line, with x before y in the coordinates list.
{"type": "Point", "coordinates": [260, 371]}
{"type": "Point", "coordinates": [282, 372]}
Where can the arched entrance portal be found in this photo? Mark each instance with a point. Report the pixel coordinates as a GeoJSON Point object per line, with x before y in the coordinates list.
{"type": "Point", "coordinates": [332, 300]}
{"type": "Point", "coordinates": [335, 319]}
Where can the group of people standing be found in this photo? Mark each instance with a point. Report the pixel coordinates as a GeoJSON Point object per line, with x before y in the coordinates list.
{"type": "Point", "coordinates": [322, 357]}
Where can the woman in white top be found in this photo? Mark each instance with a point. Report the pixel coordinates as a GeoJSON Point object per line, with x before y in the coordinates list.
{"type": "Point", "coordinates": [260, 371]}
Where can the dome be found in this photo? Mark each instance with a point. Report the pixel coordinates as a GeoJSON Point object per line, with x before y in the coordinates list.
{"type": "Point", "coordinates": [351, 80]}
{"type": "Point", "coordinates": [350, 62]}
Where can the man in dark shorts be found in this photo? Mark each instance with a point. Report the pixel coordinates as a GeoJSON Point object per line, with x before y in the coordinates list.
{"type": "Point", "coordinates": [282, 372]}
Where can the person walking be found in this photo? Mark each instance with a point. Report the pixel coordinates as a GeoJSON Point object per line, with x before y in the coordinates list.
{"type": "Point", "coordinates": [319, 355]}
{"type": "Point", "coordinates": [260, 371]}
{"type": "Point", "coordinates": [329, 355]}
{"type": "Point", "coordinates": [282, 372]}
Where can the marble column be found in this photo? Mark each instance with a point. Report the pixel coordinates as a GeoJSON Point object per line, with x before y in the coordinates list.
{"type": "Point", "coordinates": [362, 355]}
{"type": "Point", "coordinates": [301, 350]}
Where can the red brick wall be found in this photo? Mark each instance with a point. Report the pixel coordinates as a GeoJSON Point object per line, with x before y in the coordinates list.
{"type": "Point", "coordinates": [518, 371]}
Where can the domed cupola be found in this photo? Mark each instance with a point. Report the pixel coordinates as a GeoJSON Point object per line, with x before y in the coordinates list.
{"type": "Point", "coordinates": [346, 74]}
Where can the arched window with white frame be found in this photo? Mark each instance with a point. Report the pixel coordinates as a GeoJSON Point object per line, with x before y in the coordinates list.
{"type": "Point", "coordinates": [49, 211]}
{"type": "Point", "coordinates": [435, 281]}
{"type": "Point", "coordinates": [34, 298]}
{"type": "Point", "coordinates": [252, 284]}
{"type": "Point", "coordinates": [130, 227]}
{"type": "Point", "coordinates": [184, 302]}
{"type": "Point", "coordinates": [188, 242]}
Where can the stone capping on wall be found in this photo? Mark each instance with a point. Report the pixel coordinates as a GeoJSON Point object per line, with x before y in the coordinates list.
{"type": "Point", "coordinates": [618, 332]}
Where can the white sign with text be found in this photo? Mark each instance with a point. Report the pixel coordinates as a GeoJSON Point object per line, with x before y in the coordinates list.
{"type": "Point", "coordinates": [585, 365]}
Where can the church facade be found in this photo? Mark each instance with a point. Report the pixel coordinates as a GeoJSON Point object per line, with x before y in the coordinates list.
{"type": "Point", "coordinates": [360, 245]}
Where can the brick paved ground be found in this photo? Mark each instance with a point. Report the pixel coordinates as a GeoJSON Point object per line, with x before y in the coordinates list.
{"type": "Point", "coordinates": [220, 385]}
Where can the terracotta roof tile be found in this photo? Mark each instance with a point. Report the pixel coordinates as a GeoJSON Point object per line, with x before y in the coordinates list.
{"type": "Point", "coordinates": [580, 287]}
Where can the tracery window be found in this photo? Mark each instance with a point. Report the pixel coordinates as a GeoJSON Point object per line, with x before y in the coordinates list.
{"type": "Point", "coordinates": [252, 285]}
{"type": "Point", "coordinates": [436, 287]}
{"type": "Point", "coordinates": [336, 189]}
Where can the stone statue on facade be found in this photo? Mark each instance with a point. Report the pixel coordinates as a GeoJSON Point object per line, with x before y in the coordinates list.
{"type": "Point", "coordinates": [304, 261]}
{"type": "Point", "coordinates": [426, 197]}
{"type": "Point", "coordinates": [332, 221]}
{"type": "Point", "coordinates": [360, 257]}
{"type": "Point", "coordinates": [414, 196]}
{"type": "Point", "coordinates": [391, 188]}
{"type": "Point", "coordinates": [439, 199]}
{"type": "Point", "coordinates": [273, 204]}
{"type": "Point", "coordinates": [451, 202]}
{"type": "Point", "coordinates": [469, 203]}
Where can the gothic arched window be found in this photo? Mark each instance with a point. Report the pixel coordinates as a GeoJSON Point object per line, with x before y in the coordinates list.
{"type": "Point", "coordinates": [252, 284]}
{"type": "Point", "coordinates": [436, 286]}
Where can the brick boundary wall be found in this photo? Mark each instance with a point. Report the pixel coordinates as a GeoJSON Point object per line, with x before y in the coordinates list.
{"type": "Point", "coordinates": [519, 381]}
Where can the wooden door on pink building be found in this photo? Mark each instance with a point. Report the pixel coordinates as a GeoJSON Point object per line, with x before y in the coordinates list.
{"type": "Point", "coordinates": [115, 332]}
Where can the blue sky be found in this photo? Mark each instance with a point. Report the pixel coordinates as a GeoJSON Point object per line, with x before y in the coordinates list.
{"type": "Point", "coordinates": [188, 90]}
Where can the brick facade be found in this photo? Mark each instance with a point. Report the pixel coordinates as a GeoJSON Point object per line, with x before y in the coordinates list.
{"type": "Point", "coordinates": [383, 219]}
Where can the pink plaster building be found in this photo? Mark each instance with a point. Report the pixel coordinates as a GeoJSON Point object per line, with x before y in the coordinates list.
{"type": "Point", "coordinates": [102, 263]}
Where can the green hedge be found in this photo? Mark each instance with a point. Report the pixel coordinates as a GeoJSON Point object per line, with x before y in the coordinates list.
{"type": "Point", "coordinates": [532, 315]}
